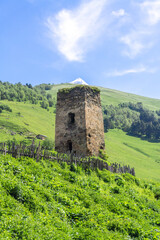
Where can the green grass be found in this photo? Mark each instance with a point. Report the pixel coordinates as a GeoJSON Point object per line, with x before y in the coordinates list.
{"type": "Point", "coordinates": [144, 156]}
{"type": "Point", "coordinates": [33, 120]}
{"type": "Point", "coordinates": [48, 201]}
{"type": "Point", "coordinates": [110, 96]}
{"type": "Point", "coordinates": [28, 119]}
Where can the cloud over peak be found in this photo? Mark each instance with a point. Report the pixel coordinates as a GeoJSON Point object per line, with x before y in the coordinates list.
{"type": "Point", "coordinates": [74, 31]}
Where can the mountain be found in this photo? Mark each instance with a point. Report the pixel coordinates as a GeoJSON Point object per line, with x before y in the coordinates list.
{"type": "Point", "coordinates": [27, 119]}
{"type": "Point", "coordinates": [79, 81]}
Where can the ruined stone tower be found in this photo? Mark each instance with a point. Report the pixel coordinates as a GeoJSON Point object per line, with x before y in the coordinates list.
{"type": "Point", "coordinates": [79, 121]}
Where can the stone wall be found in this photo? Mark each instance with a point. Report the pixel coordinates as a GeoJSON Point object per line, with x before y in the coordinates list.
{"type": "Point", "coordinates": [94, 123]}
{"type": "Point", "coordinates": [79, 121]}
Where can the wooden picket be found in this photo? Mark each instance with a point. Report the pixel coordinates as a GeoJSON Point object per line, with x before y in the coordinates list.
{"type": "Point", "coordinates": [38, 153]}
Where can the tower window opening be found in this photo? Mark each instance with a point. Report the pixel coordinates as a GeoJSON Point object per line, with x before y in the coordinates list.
{"type": "Point", "coordinates": [71, 118]}
{"type": "Point", "coordinates": [70, 146]}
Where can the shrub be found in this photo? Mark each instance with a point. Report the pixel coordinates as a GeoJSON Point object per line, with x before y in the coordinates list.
{"type": "Point", "coordinates": [105, 175]}
{"type": "Point", "coordinates": [73, 168]}
{"type": "Point", "coordinates": [119, 180]}
{"type": "Point", "coordinates": [102, 154]}
{"type": "Point", "coordinates": [157, 193]}
{"type": "Point", "coordinates": [115, 189]}
{"type": "Point", "coordinates": [48, 144]}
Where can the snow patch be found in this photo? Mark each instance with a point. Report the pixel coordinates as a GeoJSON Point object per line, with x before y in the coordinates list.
{"type": "Point", "coordinates": [79, 81]}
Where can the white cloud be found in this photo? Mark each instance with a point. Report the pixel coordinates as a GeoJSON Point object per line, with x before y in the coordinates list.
{"type": "Point", "coordinates": [141, 35]}
{"type": "Point", "coordinates": [75, 31]}
{"type": "Point", "coordinates": [151, 11]}
{"type": "Point", "coordinates": [135, 42]}
{"type": "Point", "coordinates": [119, 13]}
{"type": "Point", "coordinates": [140, 69]}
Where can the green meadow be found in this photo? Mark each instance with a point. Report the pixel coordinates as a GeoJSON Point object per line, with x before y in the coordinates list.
{"type": "Point", "coordinates": [47, 200]}
{"type": "Point", "coordinates": [121, 148]}
{"type": "Point", "coordinates": [28, 120]}
{"type": "Point", "coordinates": [110, 96]}
{"type": "Point", "coordinates": [144, 156]}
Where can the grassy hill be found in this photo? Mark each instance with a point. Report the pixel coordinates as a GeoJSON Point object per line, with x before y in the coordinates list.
{"type": "Point", "coordinates": [110, 96]}
{"type": "Point", "coordinates": [28, 119]}
{"type": "Point", "coordinates": [47, 200]}
{"type": "Point", "coordinates": [120, 147]}
{"type": "Point", "coordinates": [143, 155]}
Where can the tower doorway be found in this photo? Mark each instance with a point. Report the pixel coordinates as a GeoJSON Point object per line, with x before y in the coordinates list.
{"type": "Point", "coordinates": [69, 146]}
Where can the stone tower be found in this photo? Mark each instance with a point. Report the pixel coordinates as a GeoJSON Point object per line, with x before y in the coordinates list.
{"type": "Point", "coordinates": [79, 121]}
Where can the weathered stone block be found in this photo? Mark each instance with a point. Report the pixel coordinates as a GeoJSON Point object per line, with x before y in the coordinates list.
{"type": "Point", "coordinates": [79, 121]}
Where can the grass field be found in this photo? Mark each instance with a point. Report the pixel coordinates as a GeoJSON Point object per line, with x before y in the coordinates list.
{"type": "Point", "coordinates": [110, 96]}
{"type": "Point", "coordinates": [28, 119]}
{"type": "Point", "coordinates": [144, 156]}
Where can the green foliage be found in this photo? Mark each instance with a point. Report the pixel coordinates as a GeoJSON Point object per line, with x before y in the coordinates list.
{"type": "Point", "coordinates": [103, 155]}
{"type": "Point", "coordinates": [51, 103]}
{"type": "Point", "coordinates": [5, 107]}
{"type": "Point", "coordinates": [47, 200]}
{"type": "Point", "coordinates": [25, 122]}
{"type": "Point", "coordinates": [120, 180]}
{"type": "Point", "coordinates": [26, 93]}
{"type": "Point", "coordinates": [124, 149]}
{"type": "Point", "coordinates": [43, 87]}
{"type": "Point", "coordinates": [48, 144]}
{"type": "Point", "coordinates": [44, 104]}
{"type": "Point", "coordinates": [67, 90]}
{"type": "Point", "coordinates": [157, 193]}
{"type": "Point", "coordinates": [133, 119]}
{"type": "Point", "coordinates": [73, 167]}
{"type": "Point", "coordinates": [128, 150]}
{"type": "Point", "coordinates": [121, 116]}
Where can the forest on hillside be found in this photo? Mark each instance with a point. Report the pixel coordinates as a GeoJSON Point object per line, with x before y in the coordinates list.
{"type": "Point", "coordinates": [27, 93]}
{"type": "Point", "coordinates": [134, 119]}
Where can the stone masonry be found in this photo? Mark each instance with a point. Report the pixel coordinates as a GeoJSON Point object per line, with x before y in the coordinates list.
{"type": "Point", "coordinates": [79, 121]}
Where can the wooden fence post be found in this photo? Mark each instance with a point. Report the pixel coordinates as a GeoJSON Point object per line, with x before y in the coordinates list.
{"type": "Point", "coordinates": [5, 149]}
{"type": "Point", "coordinates": [38, 153]}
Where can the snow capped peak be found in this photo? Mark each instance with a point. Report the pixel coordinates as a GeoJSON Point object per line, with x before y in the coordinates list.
{"type": "Point", "coordinates": [79, 81]}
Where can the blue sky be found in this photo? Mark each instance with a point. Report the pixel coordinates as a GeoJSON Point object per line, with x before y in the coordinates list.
{"type": "Point", "coordinates": [109, 43]}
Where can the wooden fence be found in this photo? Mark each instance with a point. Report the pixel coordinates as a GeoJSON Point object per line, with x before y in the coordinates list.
{"type": "Point", "coordinates": [38, 153]}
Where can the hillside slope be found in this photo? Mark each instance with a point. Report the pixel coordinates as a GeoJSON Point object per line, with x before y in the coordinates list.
{"type": "Point", "coordinates": [27, 120]}
{"type": "Point", "coordinates": [46, 200]}
{"type": "Point", "coordinates": [110, 96]}
{"type": "Point", "coordinates": [143, 155]}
